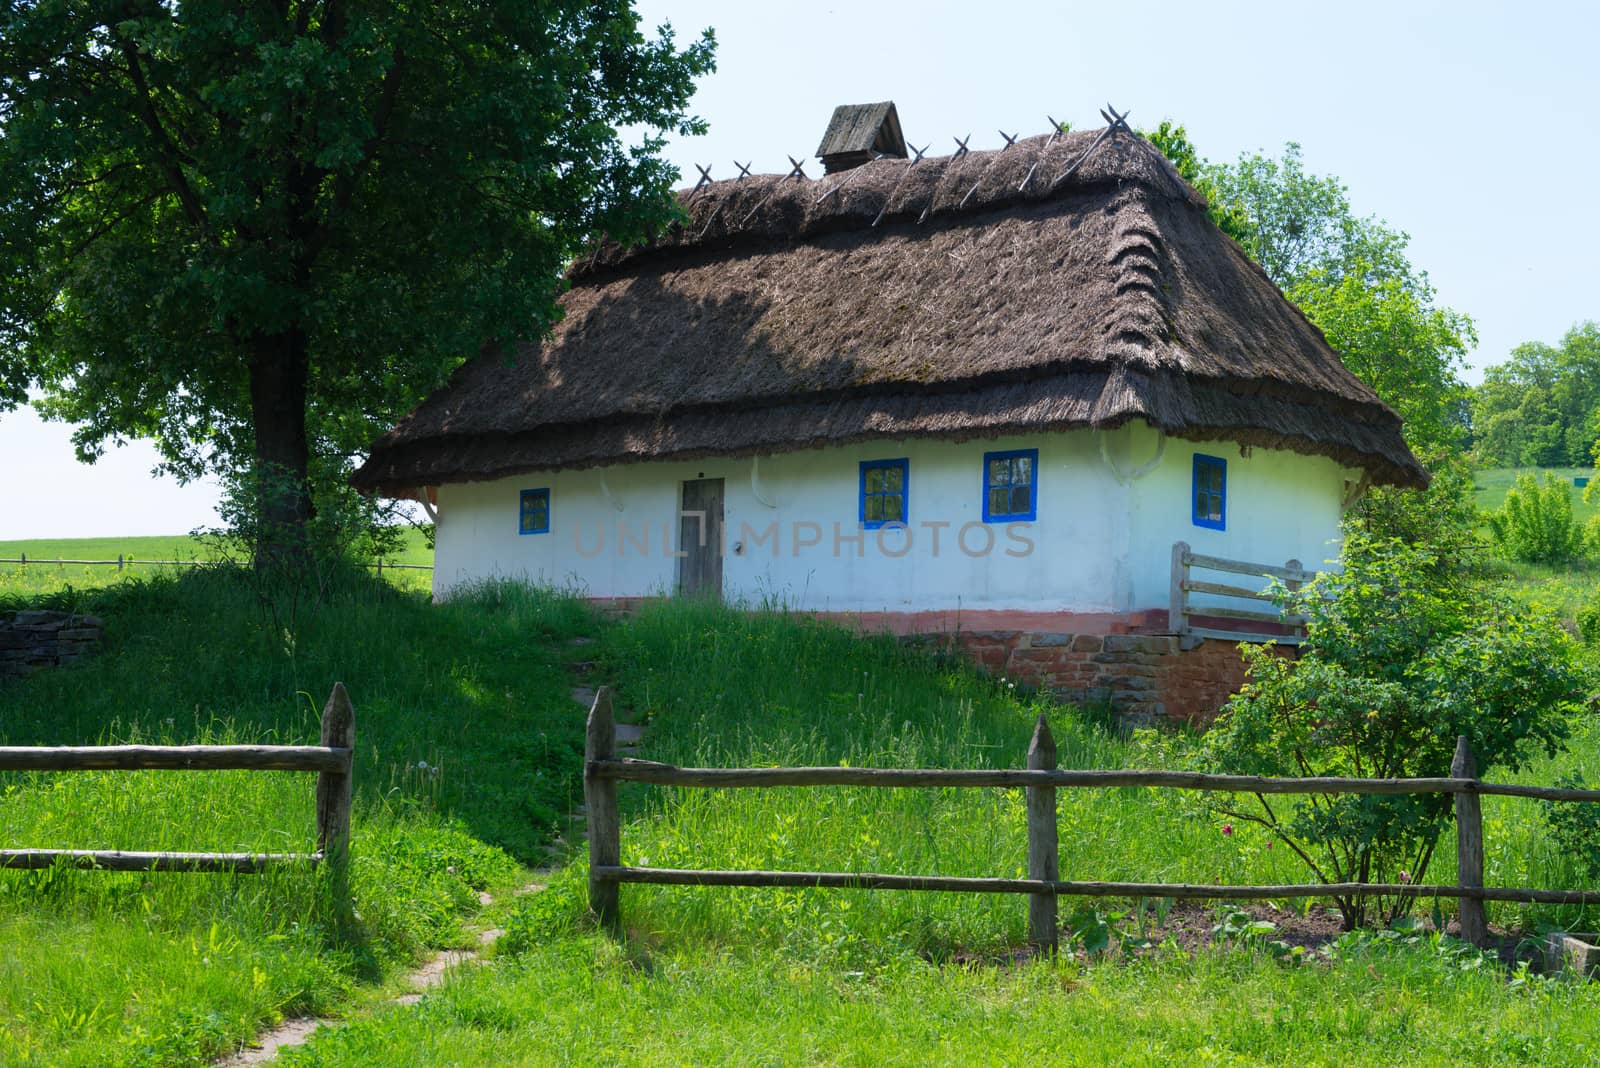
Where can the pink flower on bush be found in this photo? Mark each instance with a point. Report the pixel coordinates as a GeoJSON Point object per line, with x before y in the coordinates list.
{"type": "Point", "coordinates": [1405, 877]}
{"type": "Point", "coordinates": [1227, 828]}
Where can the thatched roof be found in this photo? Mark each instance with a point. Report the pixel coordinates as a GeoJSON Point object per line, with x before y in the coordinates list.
{"type": "Point", "coordinates": [936, 298]}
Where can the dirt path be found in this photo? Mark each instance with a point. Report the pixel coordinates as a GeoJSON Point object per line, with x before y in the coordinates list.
{"type": "Point", "coordinates": [431, 974]}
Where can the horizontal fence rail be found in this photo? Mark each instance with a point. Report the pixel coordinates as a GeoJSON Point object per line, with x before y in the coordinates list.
{"type": "Point", "coordinates": [130, 561]}
{"type": "Point", "coordinates": [603, 770]}
{"type": "Point", "coordinates": [331, 762]}
{"type": "Point", "coordinates": [649, 771]}
{"type": "Point", "coordinates": [175, 758]}
{"type": "Point", "coordinates": [1068, 888]}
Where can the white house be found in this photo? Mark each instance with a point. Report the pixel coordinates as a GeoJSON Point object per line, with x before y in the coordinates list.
{"type": "Point", "coordinates": [982, 395]}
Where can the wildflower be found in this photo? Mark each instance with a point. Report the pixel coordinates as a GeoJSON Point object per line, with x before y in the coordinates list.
{"type": "Point", "coordinates": [1269, 843]}
{"type": "Point", "coordinates": [1405, 877]}
{"type": "Point", "coordinates": [1227, 828]}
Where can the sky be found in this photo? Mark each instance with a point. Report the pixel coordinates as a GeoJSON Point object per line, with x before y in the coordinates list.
{"type": "Point", "coordinates": [1473, 127]}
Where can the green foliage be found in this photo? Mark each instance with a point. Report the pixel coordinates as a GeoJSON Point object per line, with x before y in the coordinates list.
{"type": "Point", "coordinates": [1575, 828]}
{"type": "Point", "coordinates": [1536, 524]}
{"type": "Point", "coordinates": [1384, 324]}
{"type": "Point", "coordinates": [1444, 518]}
{"type": "Point", "coordinates": [1542, 406]}
{"type": "Point", "coordinates": [1402, 656]}
{"type": "Point", "coordinates": [260, 236]}
{"type": "Point", "coordinates": [1589, 626]}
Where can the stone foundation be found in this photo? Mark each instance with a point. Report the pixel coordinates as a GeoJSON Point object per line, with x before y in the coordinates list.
{"type": "Point", "coordinates": [1146, 679]}
{"type": "Point", "coordinates": [39, 639]}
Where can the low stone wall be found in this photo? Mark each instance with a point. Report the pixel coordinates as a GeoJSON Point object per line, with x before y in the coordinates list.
{"type": "Point", "coordinates": [38, 639]}
{"type": "Point", "coordinates": [1145, 678]}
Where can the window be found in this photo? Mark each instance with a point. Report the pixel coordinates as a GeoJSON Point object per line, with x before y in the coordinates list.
{"type": "Point", "coordinates": [1010, 486]}
{"type": "Point", "coordinates": [534, 517]}
{"type": "Point", "coordinates": [885, 487]}
{"type": "Point", "coordinates": [1210, 492]}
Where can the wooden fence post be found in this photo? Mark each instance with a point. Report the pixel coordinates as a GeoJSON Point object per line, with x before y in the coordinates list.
{"type": "Point", "coordinates": [600, 808]}
{"type": "Point", "coordinates": [1180, 572]}
{"type": "Point", "coordinates": [1469, 846]}
{"type": "Point", "coordinates": [119, 561]}
{"type": "Point", "coordinates": [333, 795]}
{"type": "Point", "coordinates": [1043, 856]}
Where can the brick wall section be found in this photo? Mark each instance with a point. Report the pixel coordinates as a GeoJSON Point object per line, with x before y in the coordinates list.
{"type": "Point", "coordinates": [38, 639]}
{"type": "Point", "coordinates": [1146, 678]}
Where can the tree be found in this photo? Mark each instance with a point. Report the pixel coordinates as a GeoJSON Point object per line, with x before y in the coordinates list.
{"type": "Point", "coordinates": [1350, 275]}
{"type": "Point", "coordinates": [1542, 406]}
{"type": "Point", "coordinates": [257, 233]}
{"type": "Point", "coordinates": [1383, 322]}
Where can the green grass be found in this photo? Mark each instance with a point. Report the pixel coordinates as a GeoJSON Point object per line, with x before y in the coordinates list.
{"type": "Point", "coordinates": [467, 756]}
{"type": "Point", "coordinates": [142, 557]}
{"type": "Point", "coordinates": [773, 977]}
{"type": "Point", "coordinates": [1491, 484]}
{"type": "Point", "coordinates": [584, 1000]}
{"type": "Point", "coordinates": [1561, 589]}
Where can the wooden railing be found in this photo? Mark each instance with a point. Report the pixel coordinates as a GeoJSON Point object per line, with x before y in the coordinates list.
{"type": "Point", "coordinates": [331, 760]}
{"type": "Point", "coordinates": [1183, 609]}
{"type": "Point", "coordinates": [122, 561]}
{"type": "Point", "coordinates": [1041, 778]}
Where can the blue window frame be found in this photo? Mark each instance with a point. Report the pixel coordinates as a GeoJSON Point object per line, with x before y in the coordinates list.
{"type": "Point", "coordinates": [534, 515]}
{"type": "Point", "coordinates": [1011, 486]}
{"type": "Point", "coordinates": [1210, 497]}
{"type": "Point", "coordinates": [885, 492]}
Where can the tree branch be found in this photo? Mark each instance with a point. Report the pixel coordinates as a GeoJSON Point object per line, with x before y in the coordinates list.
{"type": "Point", "coordinates": [345, 188]}
{"type": "Point", "coordinates": [170, 156]}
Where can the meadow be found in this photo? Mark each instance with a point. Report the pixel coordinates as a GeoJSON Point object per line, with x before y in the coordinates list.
{"type": "Point", "coordinates": [1565, 588]}
{"type": "Point", "coordinates": [469, 753]}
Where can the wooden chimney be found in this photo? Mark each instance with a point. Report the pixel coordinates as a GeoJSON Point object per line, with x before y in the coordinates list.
{"type": "Point", "coordinates": [860, 133]}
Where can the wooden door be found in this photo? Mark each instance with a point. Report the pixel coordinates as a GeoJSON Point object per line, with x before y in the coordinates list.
{"type": "Point", "coordinates": [700, 539]}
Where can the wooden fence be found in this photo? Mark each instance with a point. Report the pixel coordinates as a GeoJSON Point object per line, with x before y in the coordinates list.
{"type": "Point", "coordinates": [1182, 609]}
{"type": "Point", "coordinates": [129, 561]}
{"type": "Point", "coordinates": [1041, 778]}
{"type": "Point", "coordinates": [331, 760]}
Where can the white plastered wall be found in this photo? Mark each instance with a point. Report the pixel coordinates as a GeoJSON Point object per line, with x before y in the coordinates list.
{"type": "Point", "coordinates": [1099, 544]}
{"type": "Point", "coordinates": [1281, 506]}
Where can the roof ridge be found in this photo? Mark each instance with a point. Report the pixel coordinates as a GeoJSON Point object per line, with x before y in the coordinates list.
{"type": "Point", "coordinates": [774, 208]}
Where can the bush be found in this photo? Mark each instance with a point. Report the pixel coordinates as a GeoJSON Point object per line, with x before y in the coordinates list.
{"type": "Point", "coordinates": [1589, 626]}
{"type": "Point", "coordinates": [1402, 656]}
{"type": "Point", "coordinates": [1536, 525]}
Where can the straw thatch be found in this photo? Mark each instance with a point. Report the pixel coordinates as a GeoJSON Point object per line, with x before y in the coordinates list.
{"type": "Point", "coordinates": [779, 316]}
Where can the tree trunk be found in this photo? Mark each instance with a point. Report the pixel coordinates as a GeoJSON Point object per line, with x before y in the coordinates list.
{"type": "Point", "coordinates": [279, 381]}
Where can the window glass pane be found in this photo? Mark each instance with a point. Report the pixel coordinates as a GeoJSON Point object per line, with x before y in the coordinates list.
{"type": "Point", "coordinates": [893, 508]}
{"type": "Point", "coordinates": [1022, 466]}
{"type": "Point", "coordinates": [1021, 500]}
{"type": "Point", "coordinates": [999, 472]}
{"type": "Point", "coordinates": [997, 501]}
{"type": "Point", "coordinates": [873, 509]}
{"type": "Point", "coordinates": [874, 480]}
{"type": "Point", "coordinates": [541, 519]}
{"type": "Point", "coordinates": [892, 481]}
